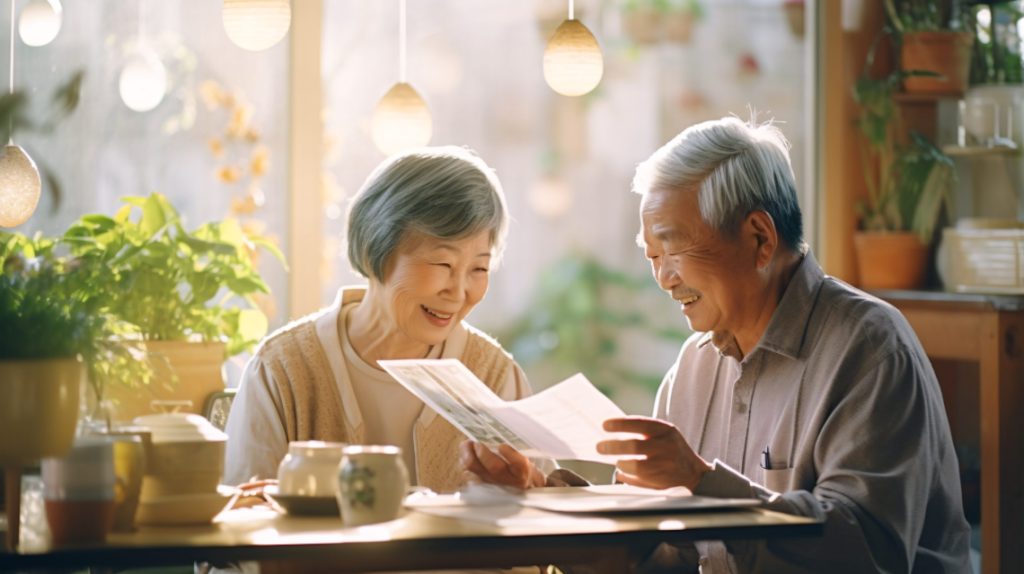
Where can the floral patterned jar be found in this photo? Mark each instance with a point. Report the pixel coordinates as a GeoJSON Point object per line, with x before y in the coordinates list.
{"type": "Point", "coordinates": [372, 484]}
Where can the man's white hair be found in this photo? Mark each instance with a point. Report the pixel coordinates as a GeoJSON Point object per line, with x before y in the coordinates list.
{"type": "Point", "coordinates": [735, 167]}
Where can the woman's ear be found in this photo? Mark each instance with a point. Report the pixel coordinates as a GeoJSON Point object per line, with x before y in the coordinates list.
{"type": "Point", "coordinates": [760, 226]}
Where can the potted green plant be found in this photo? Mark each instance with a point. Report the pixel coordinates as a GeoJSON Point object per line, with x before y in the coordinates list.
{"type": "Point", "coordinates": [186, 297]}
{"type": "Point", "coordinates": [908, 181]}
{"type": "Point", "coordinates": [45, 332]}
{"type": "Point", "coordinates": [679, 18]}
{"type": "Point", "coordinates": [650, 21]}
{"type": "Point", "coordinates": [933, 38]}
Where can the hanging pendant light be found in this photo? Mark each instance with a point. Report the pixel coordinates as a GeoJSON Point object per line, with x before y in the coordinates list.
{"type": "Point", "coordinates": [143, 79]}
{"type": "Point", "coordinates": [401, 119]}
{"type": "Point", "coordinates": [40, 22]}
{"type": "Point", "coordinates": [572, 61]}
{"type": "Point", "coordinates": [20, 185]}
{"type": "Point", "coordinates": [256, 24]}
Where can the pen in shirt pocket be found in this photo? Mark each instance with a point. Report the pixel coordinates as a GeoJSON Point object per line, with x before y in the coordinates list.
{"type": "Point", "coordinates": [766, 458]}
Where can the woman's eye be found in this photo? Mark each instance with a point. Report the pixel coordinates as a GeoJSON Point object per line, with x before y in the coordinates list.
{"type": "Point", "coordinates": [445, 265]}
{"type": "Point", "coordinates": [482, 269]}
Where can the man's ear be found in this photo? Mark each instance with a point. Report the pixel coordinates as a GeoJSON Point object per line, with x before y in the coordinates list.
{"type": "Point", "coordinates": [760, 226]}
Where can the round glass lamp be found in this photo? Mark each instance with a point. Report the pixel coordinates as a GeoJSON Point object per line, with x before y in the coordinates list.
{"type": "Point", "coordinates": [143, 82]}
{"type": "Point", "coordinates": [572, 61]}
{"type": "Point", "coordinates": [256, 24]}
{"type": "Point", "coordinates": [401, 120]}
{"type": "Point", "coordinates": [40, 22]}
{"type": "Point", "coordinates": [19, 186]}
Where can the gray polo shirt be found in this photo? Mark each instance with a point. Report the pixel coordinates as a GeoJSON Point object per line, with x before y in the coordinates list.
{"type": "Point", "coordinates": [835, 414]}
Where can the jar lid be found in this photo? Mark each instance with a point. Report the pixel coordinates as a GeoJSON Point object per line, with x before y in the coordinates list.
{"type": "Point", "coordinates": [180, 427]}
{"type": "Point", "coordinates": [316, 449]}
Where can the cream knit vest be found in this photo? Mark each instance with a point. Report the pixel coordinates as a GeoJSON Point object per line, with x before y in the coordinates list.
{"type": "Point", "coordinates": [312, 407]}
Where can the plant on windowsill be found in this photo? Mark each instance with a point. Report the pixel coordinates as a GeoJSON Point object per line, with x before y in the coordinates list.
{"type": "Point", "coordinates": [185, 297]}
{"type": "Point", "coordinates": [908, 181]}
{"type": "Point", "coordinates": [46, 331]}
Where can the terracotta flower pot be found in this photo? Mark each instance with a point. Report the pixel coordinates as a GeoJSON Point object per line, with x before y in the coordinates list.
{"type": "Point", "coordinates": [678, 27]}
{"type": "Point", "coordinates": [642, 25]}
{"type": "Point", "coordinates": [945, 53]}
{"type": "Point", "coordinates": [795, 16]}
{"type": "Point", "coordinates": [890, 260]}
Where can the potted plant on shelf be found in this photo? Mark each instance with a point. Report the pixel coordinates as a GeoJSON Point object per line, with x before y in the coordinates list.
{"type": "Point", "coordinates": [908, 182]}
{"type": "Point", "coordinates": [933, 38]}
{"type": "Point", "coordinates": [185, 298]}
{"type": "Point", "coordinates": [650, 21]}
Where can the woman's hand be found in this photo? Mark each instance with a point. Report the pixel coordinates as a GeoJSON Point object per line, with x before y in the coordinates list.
{"type": "Point", "coordinates": [507, 467]}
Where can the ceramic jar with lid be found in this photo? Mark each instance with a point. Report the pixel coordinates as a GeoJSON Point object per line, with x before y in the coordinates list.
{"type": "Point", "coordinates": [310, 469]}
{"type": "Point", "coordinates": [185, 454]}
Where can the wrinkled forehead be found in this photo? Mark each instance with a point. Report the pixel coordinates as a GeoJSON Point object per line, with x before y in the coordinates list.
{"type": "Point", "coordinates": [671, 216]}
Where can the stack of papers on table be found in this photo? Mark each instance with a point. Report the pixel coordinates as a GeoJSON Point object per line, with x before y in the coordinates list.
{"type": "Point", "coordinates": [535, 507]}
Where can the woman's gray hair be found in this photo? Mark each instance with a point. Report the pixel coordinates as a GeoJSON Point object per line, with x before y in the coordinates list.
{"type": "Point", "coordinates": [736, 167]}
{"type": "Point", "coordinates": [445, 192]}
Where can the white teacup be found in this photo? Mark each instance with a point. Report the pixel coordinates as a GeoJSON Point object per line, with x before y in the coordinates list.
{"type": "Point", "coordinates": [372, 482]}
{"type": "Point", "coordinates": [310, 469]}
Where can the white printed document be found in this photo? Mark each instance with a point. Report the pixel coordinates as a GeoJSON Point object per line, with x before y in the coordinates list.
{"type": "Point", "coordinates": [561, 422]}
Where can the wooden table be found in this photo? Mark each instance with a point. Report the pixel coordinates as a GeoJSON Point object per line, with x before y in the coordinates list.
{"type": "Point", "coordinates": [416, 541]}
{"type": "Point", "coordinates": [987, 330]}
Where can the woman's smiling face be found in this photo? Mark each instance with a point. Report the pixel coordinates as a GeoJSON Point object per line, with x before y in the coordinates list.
{"type": "Point", "coordinates": [432, 284]}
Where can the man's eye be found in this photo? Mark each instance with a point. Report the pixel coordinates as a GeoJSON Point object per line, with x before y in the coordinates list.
{"type": "Point", "coordinates": [482, 269]}
{"type": "Point", "coordinates": [445, 265]}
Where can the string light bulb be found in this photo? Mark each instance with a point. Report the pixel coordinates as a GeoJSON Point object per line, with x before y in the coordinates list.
{"type": "Point", "coordinates": [40, 22]}
{"type": "Point", "coordinates": [401, 119]}
{"type": "Point", "coordinates": [573, 64]}
{"type": "Point", "coordinates": [143, 81]}
{"type": "Point", "coordinates": [256, 25]}
{"type": "Point", "coordinates": [20, 185]}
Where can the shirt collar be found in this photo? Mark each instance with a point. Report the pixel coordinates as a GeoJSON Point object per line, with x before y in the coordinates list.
{"type": "Point", "coordinates": [788, 325]}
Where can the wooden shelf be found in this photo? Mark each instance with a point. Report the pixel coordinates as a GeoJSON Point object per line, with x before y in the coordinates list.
{"type": "Point", "coordinates": [978, 150]}
{"type": "Point", "coordinates": [926, 97]}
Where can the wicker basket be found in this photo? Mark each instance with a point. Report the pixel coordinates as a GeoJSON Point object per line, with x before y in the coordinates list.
{"type": "Point", "coordinates": [984, 259]}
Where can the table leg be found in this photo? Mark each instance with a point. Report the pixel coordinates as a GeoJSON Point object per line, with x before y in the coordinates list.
{"type": "Point", "coordinates": [1002, 472]}
{"type": "Point", "coordinates": [12, 496]}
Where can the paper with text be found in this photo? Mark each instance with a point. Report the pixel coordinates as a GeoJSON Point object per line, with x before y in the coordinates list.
{"type": "Point", "coordinates": [562, 422]}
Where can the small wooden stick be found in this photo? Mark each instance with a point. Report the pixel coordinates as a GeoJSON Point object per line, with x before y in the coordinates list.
{"type": "Point", "coordinates": [12, 496]}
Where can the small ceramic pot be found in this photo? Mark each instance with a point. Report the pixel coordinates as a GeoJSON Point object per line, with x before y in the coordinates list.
{"type": "Point", "coordinates": [310, 469]}
{"type": "Point", "coordinates": [372, 482]}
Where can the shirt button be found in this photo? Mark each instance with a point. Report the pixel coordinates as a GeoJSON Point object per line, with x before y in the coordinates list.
{"type": "Point", "coordinates": [741, 408]}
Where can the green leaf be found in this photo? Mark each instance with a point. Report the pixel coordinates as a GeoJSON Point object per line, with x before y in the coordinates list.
{"type": "Point", "coordinates": [153, 217]}
{"type": "Point", "coordinates": [252, 324]}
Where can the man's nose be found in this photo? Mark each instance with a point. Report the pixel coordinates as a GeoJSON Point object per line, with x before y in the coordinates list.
{"type": "Point", "coordinates": [667, 277]}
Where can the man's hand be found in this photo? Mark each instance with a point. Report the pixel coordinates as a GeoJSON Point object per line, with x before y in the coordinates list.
{"type": "Point", "coordinates": [668, 459]}
{"type": "Point", "coordinates": [507, 467]}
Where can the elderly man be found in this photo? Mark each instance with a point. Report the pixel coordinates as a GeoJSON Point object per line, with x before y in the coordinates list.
{"type": "Point", "coordinates": [795, 388]}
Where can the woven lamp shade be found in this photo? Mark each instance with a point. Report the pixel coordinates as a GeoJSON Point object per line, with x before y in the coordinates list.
{"type": "Point", "coordinates": [256, 24]}
{"type": "Point", "coordinates": [401, 120]}
{"type": "Point", "coordinates": [19, 186]}
{"type": "Point", "coordinates": [573, 64]}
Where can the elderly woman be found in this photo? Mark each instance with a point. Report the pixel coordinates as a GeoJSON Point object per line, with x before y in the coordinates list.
{"type": "Point", "coordinates": [426, 229]}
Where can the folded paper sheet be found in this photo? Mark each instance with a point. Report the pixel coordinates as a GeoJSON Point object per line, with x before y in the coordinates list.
{"type": "Point", "coordinates": [562, 422]}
